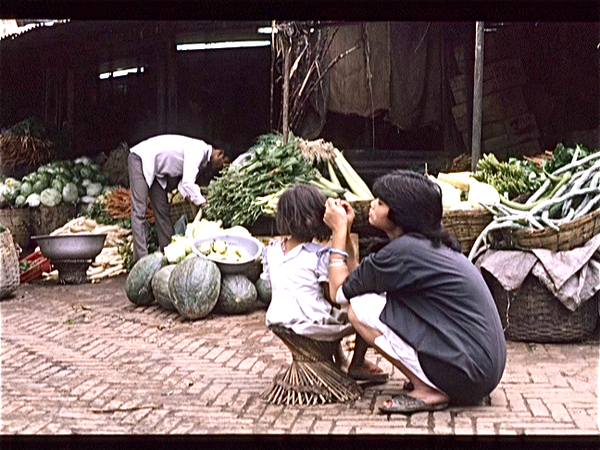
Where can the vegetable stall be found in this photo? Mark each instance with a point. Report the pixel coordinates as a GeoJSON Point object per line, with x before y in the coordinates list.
{"type": "Point", "coordinates": [523, 205]}
{"type": "Point", "coordinates": [197, 274]}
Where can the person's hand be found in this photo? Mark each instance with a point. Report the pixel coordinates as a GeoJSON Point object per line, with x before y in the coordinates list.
{"type": "Point", "coordinates": [195, 208]}
{"type": "Point", "coordinates": [336, 216]}
{"type": "Point", "coordinates": [350, 215]}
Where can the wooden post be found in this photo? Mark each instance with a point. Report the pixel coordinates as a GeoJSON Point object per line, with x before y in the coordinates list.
{"type": "Point", "coordinates": [171, 116]}
{"type": "Point", "coordinates": [273, 57]}
{"type": "Point", "coordinates": [477, 96]}
{"type": "Point", "coordinates": [286, 88]}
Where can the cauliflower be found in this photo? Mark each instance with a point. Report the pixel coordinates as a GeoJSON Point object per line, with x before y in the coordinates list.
{"type": "Point", "coordinates": [205, 248]}
{"type": "Point", "coordinates": [219, 246]}
{"type": "Point", "coordinates": [33, 200]}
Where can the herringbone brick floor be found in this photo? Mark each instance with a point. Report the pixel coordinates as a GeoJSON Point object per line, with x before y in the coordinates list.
{"type": "Point", "coordinates": [82, 359]}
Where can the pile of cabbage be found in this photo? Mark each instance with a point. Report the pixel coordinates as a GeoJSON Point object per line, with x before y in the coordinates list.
{"type": "Point", "coordinates": [69, 181]}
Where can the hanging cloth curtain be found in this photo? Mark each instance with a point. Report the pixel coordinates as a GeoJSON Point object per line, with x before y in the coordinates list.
{"type": "Point", "coordinates": [416, 75]}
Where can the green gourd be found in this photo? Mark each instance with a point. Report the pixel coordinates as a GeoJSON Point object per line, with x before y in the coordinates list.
{"type": "Point", "coordinates": [194, 286]}
{"type": "Point", "coordinates": [263, 289]}
{"type": "Point", "coordinates": [238, 294]}
{"type": "Point", "coordinates": [160, 287]}
{"type": "Point", "coordinates": [138, 285]}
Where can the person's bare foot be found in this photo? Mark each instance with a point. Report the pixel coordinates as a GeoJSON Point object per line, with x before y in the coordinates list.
{"type": "Point", "coordinates": [367, 371]}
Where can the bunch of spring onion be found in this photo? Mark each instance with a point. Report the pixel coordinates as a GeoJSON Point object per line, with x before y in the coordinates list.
{"type": "Point", "coordinates": [569, 192]}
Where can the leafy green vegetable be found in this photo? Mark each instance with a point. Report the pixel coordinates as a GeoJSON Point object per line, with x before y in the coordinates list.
{"type": "Point", "coordinates": [561, 156]}
{"type": "Point", "coordinates": [20, 201]}
{"type": "Point", "coordinates": [50, 197]}
{"type": "Point", "coordinates": [94, 189]}
{"type": "Point", "coordinates": [510, 178]}
{"type": "Point", "coordinates": [70, 193]}
{"type": "Point", "coordinates": [271, 166]}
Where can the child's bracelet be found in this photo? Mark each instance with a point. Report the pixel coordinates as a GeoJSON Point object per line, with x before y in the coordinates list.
{"type": "Point", "coordinates": [337, 262]}
{"type": "Point", "coordinates": [337, 251]}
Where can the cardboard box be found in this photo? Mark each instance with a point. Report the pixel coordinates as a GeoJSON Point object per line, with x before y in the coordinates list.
{"type": "Point", "coordinates": [498, 106]}
{"type": "Point", "coordinates": [491, 145]}
{"type": "Point", "coordinates": [497, 76]}
{"type": "Point", "coordinates": [530, 148]}
{"type": "Point", "coordinates": [522, 129]}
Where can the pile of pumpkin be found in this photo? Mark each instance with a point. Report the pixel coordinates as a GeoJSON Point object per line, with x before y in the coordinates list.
{"type": "Point", "coordinates": [194, 286]}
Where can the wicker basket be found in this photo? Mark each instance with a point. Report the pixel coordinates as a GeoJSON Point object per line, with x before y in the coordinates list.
{"type": "Point", "coordinates": [466, 225]}
{"type": "Point", "coordinates": [46, 219]}
{"type": "Point", "coordinates": [571, 235]}
{"type": "Point", "coordinates": [18, 221]}
{"type": "Point", "coordinates": [9, 265]}
{"type": "Point", "coordinates": [180, 208]}
{"type": "Point", "coordinates": [532, 313]}
{"type": "Point", "coordinates": [361, 212]}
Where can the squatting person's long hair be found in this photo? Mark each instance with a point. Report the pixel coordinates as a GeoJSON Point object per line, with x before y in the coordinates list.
{"type": "Point", "coordinates": [415, 205]}
{"type": "Point", "coordinates": [300, 212]}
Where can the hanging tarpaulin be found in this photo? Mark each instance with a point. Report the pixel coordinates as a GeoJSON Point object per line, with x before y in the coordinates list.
{"type": "Point", "coordinates": [416, 76]}
{"type": "Point", "coordinates": [349, 89]}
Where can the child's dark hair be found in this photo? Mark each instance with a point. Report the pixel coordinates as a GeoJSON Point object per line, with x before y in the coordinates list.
{"type": "Point", "coordinates": [415, 205]}
{"type": "Point", "coordinates": [300, 212]}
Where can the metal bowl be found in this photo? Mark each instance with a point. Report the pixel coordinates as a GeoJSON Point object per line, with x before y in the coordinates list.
{"type": "Point", "coordinates": [62, 247]}
{"type": "Point", "coordinates": [250, 248]}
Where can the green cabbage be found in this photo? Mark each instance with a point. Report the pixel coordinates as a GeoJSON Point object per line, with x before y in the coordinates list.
{"type": "Point", "coordinates": [26, 189]}
{"type": "Point", "coordinates": [94, 189]}
{"type": "Point", "coordinates": [20, 201]}
{"type": "Point", "coordinates": [50, 197]}
{"type": "Point", "coordinates": [70, 193]}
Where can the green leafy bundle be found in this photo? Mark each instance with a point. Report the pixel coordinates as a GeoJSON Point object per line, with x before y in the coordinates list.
{"type": "Point", "coordinates": [510, 178]}
{"type": "Point", "coordinates": [271, 166]}
{"type": "Point", "coordinates": [561, 156]}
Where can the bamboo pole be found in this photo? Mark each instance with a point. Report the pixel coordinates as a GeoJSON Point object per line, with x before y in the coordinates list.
{"type": "Point", "coordinates": [477, 96]}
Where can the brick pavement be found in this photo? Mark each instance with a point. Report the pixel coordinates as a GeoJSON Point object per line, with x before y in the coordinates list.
{"type": "Point", "coordinates": [84, 360]}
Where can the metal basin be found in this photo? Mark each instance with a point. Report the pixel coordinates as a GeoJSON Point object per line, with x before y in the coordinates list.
{"type": "Point", "coordinates": [81, 246]}
{"type": "Point", "coordinates": [250, 248]}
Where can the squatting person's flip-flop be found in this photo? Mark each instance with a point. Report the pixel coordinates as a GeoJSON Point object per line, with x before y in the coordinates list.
{"type": "Point", "coordinates": [405, 404]}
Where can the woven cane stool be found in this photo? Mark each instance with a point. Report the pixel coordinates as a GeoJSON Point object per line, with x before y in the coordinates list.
{"type": "Point", "coordinates": [312, 377]}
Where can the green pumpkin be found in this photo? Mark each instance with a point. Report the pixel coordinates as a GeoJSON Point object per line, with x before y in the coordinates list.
{"type": "Point", "coordinates": [194, 286]}
{"type": "Point", "coordinates": [263, 289]}
{"type": "Point", "coordinates": [138, 285]}
{"type": "Point", "coordinates": [238, 294]}
{"type": "Point", "coordinates": [160, 287]}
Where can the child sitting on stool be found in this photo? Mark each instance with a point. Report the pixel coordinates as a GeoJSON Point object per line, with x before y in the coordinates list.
{"type": "Point", "coordinates": [298, 270]}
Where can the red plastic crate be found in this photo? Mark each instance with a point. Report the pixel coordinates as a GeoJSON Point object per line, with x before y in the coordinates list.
{"type": "Point", "coordinates": [38, 264]}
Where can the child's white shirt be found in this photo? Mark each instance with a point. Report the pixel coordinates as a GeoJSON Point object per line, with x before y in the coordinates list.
{"type": "Point", "coordinates": [298, 301]}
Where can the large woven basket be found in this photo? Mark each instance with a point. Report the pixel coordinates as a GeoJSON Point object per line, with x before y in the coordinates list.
{"type": "Point", "coordinates": [532, 313]}
{"type": "Point", "coordinates": [572, 234]}
{"type": "Point", "coordinates": [466, 225]}
{"type": "Point", "coordinates": [18, 221]}
{"type": "Point", "coordinates": [46, 219]}
{"type": "Point", "coordinates": [180, 208]}
{"type": "Point", "coordinates": [9, 265]}
{"type": "Point", "coordinates": [361, 212]}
